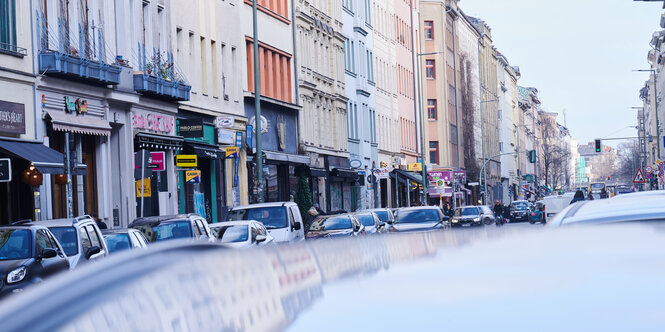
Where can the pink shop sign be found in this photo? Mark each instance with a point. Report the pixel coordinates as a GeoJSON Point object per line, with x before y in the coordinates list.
{"type": "Point", "coordinates": [154, 122]}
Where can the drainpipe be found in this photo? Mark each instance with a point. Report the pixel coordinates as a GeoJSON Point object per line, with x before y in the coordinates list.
{"type": "Point", "coordinates": [296, 69]}
{"type": "Point", "coordinates": [257, 107]}
{"type": "Point", "coordinates": [482, 121]}
{"type": "Point", "coordinates": [459, 149]}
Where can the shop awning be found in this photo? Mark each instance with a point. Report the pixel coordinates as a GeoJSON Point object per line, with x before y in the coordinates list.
{"type": "Point", "coordinates": [344, 173]}
{"type": "Point", "coordinates": [413, 176]}
{"type": "Point", "coordinates": [318, 172]}
{"type": "Point", "coordinates": [45, 159]}
{"type": "Point", "coordinates": [158, 142]}
{"type": "Point", "coordinates": [79, 124]}
{"type": "Point", "coordinates": [204, 150]}
{"type": "Point", "coordinates": [286, 157]}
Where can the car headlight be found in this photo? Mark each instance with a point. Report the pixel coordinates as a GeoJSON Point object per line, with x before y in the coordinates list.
{"type": "Point", "coordinates": [476, 219]}
{"type": "Point", "coordinates": [455, 220]}
{"type": "Point", "coordinates": [16, 275]}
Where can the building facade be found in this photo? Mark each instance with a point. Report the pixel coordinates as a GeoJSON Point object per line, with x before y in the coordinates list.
{"type": "Point", "coordinates": [323, 121]}
{"type": "Point", "coordinates": [507, 114]}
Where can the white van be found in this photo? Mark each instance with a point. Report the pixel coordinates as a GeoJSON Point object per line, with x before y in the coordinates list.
{"type": "Point", "coordinates": [555, 203]}
{"type": "Point", "coordinates": [281, 219]}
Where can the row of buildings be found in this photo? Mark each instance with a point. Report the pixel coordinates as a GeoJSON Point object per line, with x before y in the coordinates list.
{"type": "Point", "coordinates": [353, 95]}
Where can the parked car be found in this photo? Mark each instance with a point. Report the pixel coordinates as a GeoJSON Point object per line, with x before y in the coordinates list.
{"type": "Point", "coordinates": [538, 213]}
{"type": "Point", "coordinates": [184, 226]}
{"type": "Point", "coordinates": [371, 222]}
{"type": "Point", "coordinates": [240, 234]}
{"type": "Point", "coordinates": [486, 215]}
{"type": "Point", "coordinates": [519, 211]}
{"type": "Point", "coordinates": [466, 216]}
{"type": "Point", "coordinates": [28, 254]}
{"type": "Point", "coordinates": [335, 226]}
{"type": "Point", "coordinates": [418, 219]}
{"type": "Point", "coordinates": [120, 239]}
{"type": "Point", "coordinates": [555, 203]}
{"type": "Point", "coordinates": [386, 216]}
{"type": "Point", "coordinates": [627, 208]}
{"type": "Point", "coordinates": [80, 238]}
{"type": "Point", "coordinates": [282, 219]}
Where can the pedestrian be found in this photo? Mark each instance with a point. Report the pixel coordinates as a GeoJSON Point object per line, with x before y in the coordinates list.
{"type": "Point", "coordinates": [447, 210]}
{"type": "Point", "coordinates": [591, 197]}
{"type": "Point", "coordinates": [579, 196]}
{"type": "Point", "coordinates": [101, 224]}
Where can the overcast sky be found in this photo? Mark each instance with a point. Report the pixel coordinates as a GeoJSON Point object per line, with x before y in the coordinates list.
{"type": "Point", "coordinates": [579, 54]}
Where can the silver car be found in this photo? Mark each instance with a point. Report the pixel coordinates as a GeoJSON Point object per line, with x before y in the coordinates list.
{"type": "Point", "coordinates": [79, 237]}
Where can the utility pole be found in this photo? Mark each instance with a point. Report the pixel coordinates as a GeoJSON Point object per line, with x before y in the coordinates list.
{"type": "Point", "coordinates": [257, 108]}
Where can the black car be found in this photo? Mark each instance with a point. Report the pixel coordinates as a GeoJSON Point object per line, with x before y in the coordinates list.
{"type": "Point", "coordinates": [520, 211]}
{"type": "Point", "coordinates": [335, 226]}
{"type": "Point", "coordinates": [28, 254]}
{"type": "Point", "coordinates": [160, 228]}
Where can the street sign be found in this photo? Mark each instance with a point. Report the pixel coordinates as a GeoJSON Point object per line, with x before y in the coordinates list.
{"type": "Point", "coordinates": [5, 170]}
{"type": "Point", "coordinates": [639, 177]}
{"type": "Point", "coordinates": [142, 161]}
{"type": "Point", "coordinates": [186, 160]}
{"type": "Point", "coordinates": [648, 170]}
{"type": "Point", "coordinates": [193, 176]}
{"type": "Point", "coordinates": [232, 151]}
{"type": "Point", "coordinates": [144, 190]}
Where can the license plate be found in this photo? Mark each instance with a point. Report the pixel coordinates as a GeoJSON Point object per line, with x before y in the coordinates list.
{"type": "Point", "coordinates": [466, 225]}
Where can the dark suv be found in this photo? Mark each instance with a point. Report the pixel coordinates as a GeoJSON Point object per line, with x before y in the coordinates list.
{"type": "Point", "coordinates": [28, 254]}
{"type": "Point", "coordinates": [183, 226]}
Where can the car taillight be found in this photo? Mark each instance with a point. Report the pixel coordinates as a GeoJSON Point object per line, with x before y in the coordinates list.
{"type": "Point", "coordinates": [533, 214]}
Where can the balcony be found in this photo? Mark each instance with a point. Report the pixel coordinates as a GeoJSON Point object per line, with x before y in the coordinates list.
{"type": "Point", "coordinates": [59, 64]}
{"type": "Point", "coordinates": [161, 88]}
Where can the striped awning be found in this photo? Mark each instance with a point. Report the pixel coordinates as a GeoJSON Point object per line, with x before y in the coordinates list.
{"type": "Point", "coordinates": [79, 124]}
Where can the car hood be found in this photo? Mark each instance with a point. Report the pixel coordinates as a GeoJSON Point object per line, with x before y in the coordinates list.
{"type": "Point", "coordinates": [330, 233]}
{"type": "Point", "coordinates": [414, 226]}
{"type": "Point", "coordinates": [577, 278]}
{"type": "Point", "coordinates": [9, 265]}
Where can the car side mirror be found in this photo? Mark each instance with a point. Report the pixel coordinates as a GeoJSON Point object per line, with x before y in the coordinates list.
{"type": "Point", "coordinates": [94, 250]}
{"type": "Point", "coordinates": [48, 253]}
{"type": "Point", "coordinates": [389, 222]}
{"type": "Point", "coordinates": [260, 238]}
{"type": "Point", "coordinates": [296, 226]}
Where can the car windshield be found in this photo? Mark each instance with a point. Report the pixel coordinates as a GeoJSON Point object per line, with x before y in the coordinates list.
{"type": "Point", "coordinates": [366, 219]}
{"type": "Point", "coordinates": [383, 215]}
{"type": "Point", "coordinates": [469, 211]}
{"type": "Point", "coordinates": [231, 233]}
{"type": "Point", "coordinates": [597, 186]}
{"type": "Point", "coordinates": [67, 238]}
{"type": "Point", "coordinates": [271, 217]}
{"type": "Point", "coordinates": [14, 244]}
{"type": "Point", "coordinates": [331, 223]}
{"type": "Point", "coordinates": [117, 241]}
{"type": "Point", "coordinates": [169, 231]}
{"type": "Point", "coordinates": [416, 216]}
{"type": "Point", "coordinates": [520, 205]}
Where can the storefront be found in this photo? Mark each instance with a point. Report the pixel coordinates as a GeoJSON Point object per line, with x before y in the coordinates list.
{"type": "Point", "coordinates": [408, 186]}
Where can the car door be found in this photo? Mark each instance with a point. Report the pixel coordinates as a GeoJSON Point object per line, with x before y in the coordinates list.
{"type": "Point", "coordinates": [97, 240]}
{"type": "Point", "coordinates": [205, 231]}
{"type": "Point", "coordinates": [49, 266]}
{"type": "Point", "coordinates": [298, 231]}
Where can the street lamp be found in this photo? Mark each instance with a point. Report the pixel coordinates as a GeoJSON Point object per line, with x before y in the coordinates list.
{"type": "Point", "coordinates": [655, 93]}
{"type": "Point", "coordinates": [422, 129]}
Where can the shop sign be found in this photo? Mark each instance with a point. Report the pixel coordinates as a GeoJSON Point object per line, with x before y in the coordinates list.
{"type": "Point", "coordinates": [355, 163]}
{"type": "Point", "coordinates": [186, 160]}
{"type": "Point", "coordinates": [79, 105]}
{"type": "Point", "coordinates": [12, 118]}
{"type": "Point", "coordinates": [415, 167]}
{"type": "Point", "coordinates": [193, 176]}
{"type": "Point", "coordinates": [265, 124]}
{"type": "Point", "coordinates": [438, 178]}
{"type": "Point", "coordinates": [224, 122]}
{"type": "Point", "coordinates": [156, 161]}
{"type": "Point", "coordinates": [460, 175]}
{"type": "Point", "coordinates": [225, 136]}
{"type": "Point", "coordinates": [382, 173]}
{"type": "Point", "coordinates": [154, 122]}
{"type": "Point", "coordinates": [190, 128]}
{"type": "Point", "coordinates": [143, 188]}
{"type": "Point", "coordinates": [232, 151]}
{"type": "Point", "coordinates": [249, 134]}
{"type": "Point", "coordinates": [5, 170]}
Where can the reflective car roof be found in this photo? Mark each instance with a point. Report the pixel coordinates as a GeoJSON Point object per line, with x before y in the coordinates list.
{"type": "Point", "coordinates": [627, 208]}
{"type": "Point", "coordinates": [587, 278]}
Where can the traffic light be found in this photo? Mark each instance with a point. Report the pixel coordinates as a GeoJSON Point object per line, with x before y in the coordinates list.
{"type": "Point", "coordinates": [598, 146]}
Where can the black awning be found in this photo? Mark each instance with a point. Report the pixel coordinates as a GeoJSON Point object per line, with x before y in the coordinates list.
{"type": "Point", "coordinates": [45, 159]}
{"type": "Point", "coordinates": [344, 173]}
{"type": "Point", "coordinates": [413, 176]}
{"type": "Point", "coordinates": [204, 150]}
{"type": "Point", "coordinates": [318, 172]}
{"type": "Point", "coordinates": [157, 141]}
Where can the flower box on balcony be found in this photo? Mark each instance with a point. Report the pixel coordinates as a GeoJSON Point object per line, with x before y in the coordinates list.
{"type": "Point", "coordinates": [74, 67]}
{"type": "Point", "coordinates": [161, 88]}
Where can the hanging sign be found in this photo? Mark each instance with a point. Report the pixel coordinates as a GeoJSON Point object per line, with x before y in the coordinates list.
{"type": "Point", "coordinates": [193, 176]}
{"type": "Point", "coordinates": [382, 173]}
{"type": "Point", "coordinates": [186, 160]}
{"type": "Point", "coordinates": [224, 122]}
{"type": "Point", "coordinates": [415, 167]}
{"type": "Point", "coordinates": [5, 170]}
{"type": "Point", "coordinates": [143, 188]}
{"type": "Point", "coordinates": [225, 136]}
{"type": "Point", "coordinates": [232, 151]}
{"type": "Point", "coordinates": [190, 128]}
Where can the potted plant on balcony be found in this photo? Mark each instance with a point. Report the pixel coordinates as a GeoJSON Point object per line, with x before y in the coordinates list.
{"type": "Point", "coordinates": [148, 68]}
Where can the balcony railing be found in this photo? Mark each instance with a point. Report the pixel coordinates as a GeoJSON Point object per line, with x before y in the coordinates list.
{"type": "Point", "coordinates": [13, 50]}
{"type": "Point", "coordinates": [62, 57]}
{"type": "Point", "coordinates": [159, 78]}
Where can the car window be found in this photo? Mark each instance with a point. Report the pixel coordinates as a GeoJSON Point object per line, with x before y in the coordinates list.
{"type": "Point", "coordinates": [366, 219]}
{"type": "Point", "coordinates": [94, 236]}
{"type": "Point", "coordinates": [136, 240]}
{"type": "Point", "coordinates": [232, 233]}
{"type": "Point", "coordinates": [160, 232]}
{"type": "Point", "coordinates": [272, 217]}
{"type": "Point", "coordinates": [202, 226]}
{"type": "Point", "coordinates": [67, 238]}
{"type": "Point", "coordinates": [291, 217]}
{"type": "Point", "coordinates": [117, 242]}
{"type": "Point", "coordinates": [383, 215]}
{"type": "Point", "coordinates": [254, 232]}
{"type": "Point", "coordinates": [195, 227]}
{"type": "Point", "coordinates": [56, 244]}
{"type": "Point", "coordinates": [42, 241]}
{"type": "Point", "coordinates": [85, 239]}
{"type": "Point", "coordinates": [331, 223]}
{"type": "Point", "coordinates": [15, 244]}
{"type": "Point", "coordinates": [141, 238]}
{"type": "Point", "coordinates": [419, 215]}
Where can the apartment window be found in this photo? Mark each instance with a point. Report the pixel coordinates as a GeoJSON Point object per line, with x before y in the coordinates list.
{"type": "Point", "coordinates": [453, 134]}
{"type": "Point", "coordinates": [277, 8]}
{"type": "Point", "coordinates": [434, 152]}
{"type": "Point", "coordinates": [452, 97]}
{"type": "Point", "coordinates": [275, 71]}
{"type": "Point", "coordinates": [214, 68]}
{"type": "Point", "coordinates": [500, 146]}
{"type": "Point", "coordinates": [372, 122]}
{"type": "Point", "coordinates": [431, 109]}
{"type": "Point", "coordinates": [429, 30]}
{"type": "Point", "coordinates": [204, 67]}
{"type": "Point", "coordinates": [8, 25]}
{"type": "Point", "coordinates": [429, 68]}
{"type": "Point", "coordinates": [499, 114]}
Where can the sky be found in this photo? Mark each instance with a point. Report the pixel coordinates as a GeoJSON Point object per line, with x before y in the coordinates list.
{"type": "Point", "coordinates": [579, 54]}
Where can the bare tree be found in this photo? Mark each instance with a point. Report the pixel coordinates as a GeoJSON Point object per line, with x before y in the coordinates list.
{"type": "Point", "coordinates": [628, 155]}
{"type": "Point", "coordinates": [554, 156]}
{"type": "Point", "coordinates": [468, 120]}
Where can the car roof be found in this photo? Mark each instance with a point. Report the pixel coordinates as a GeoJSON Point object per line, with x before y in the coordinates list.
{"type": "Point", "coordinates": [118, 231]}
{"type": "Point", "coordinates": [233, 223]}
{"type": "Point", "coordinates": [260, 205]}
{"type": "Point", "coordinates": [29, 225]}
{"type": "Point", "coordinates": [64, 221]}
{"type": "Point", "coordinates": [641, 194]}
{"type": "Point", "coordinates": [629, 208]}
{"type": "Point", "coordinates": [467, 206]}
{"type": "Point", "coordinates": [154, 220]}
{"type": "Point", "coordinates": [412, 208]}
